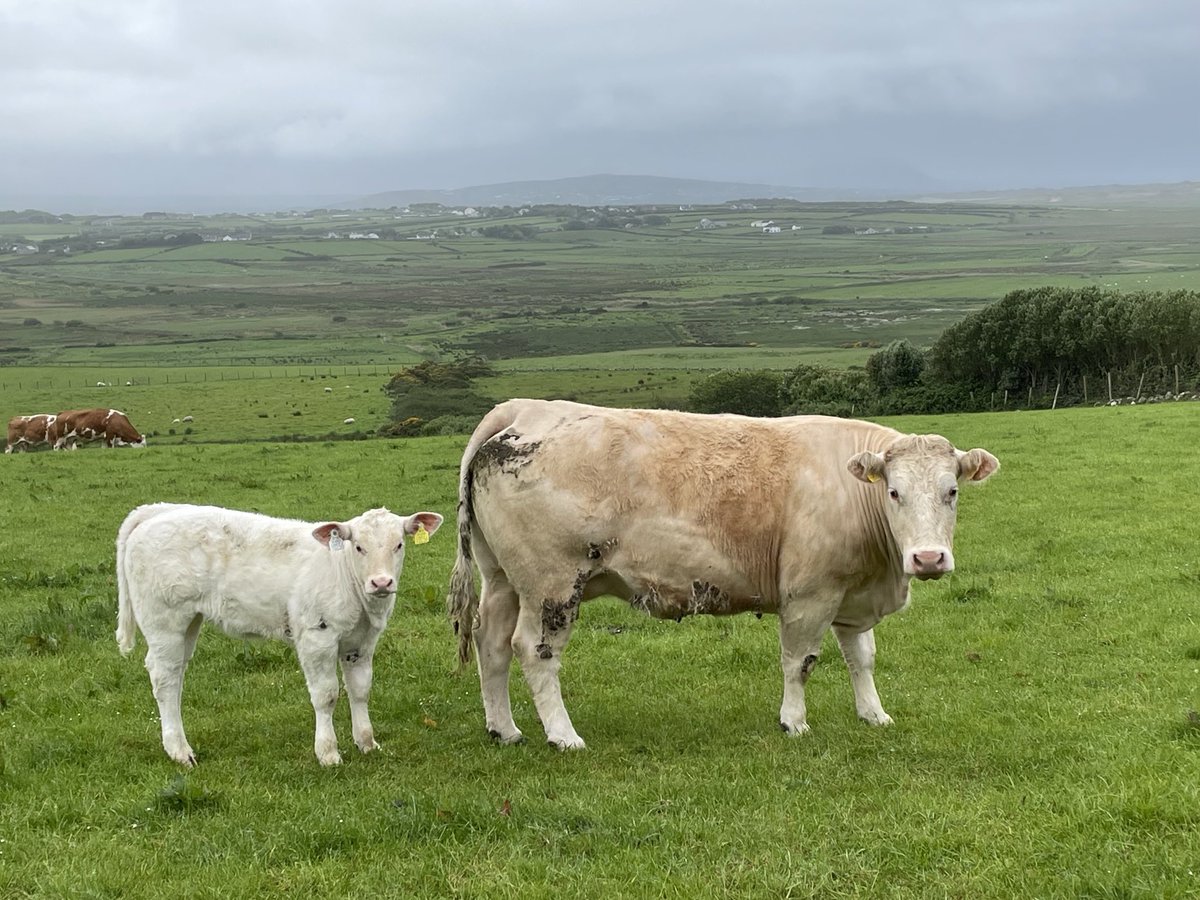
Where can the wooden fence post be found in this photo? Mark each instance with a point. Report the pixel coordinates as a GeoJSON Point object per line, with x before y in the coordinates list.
{"type": "Point", "coordinates": [1054, 405]}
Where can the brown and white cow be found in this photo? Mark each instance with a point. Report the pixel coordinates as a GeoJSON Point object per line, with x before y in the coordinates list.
{"type": "Point", "coordinates": [821, 521]}
{"type": "Point", "coordinates": [109, 425]}
{"type": "Point", "coordinates": [27, 432]}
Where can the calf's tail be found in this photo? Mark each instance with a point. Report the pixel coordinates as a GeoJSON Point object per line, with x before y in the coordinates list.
{"type": "Point", "coordinates": [126, 623]}
{"type": "Point", "coordinates": [462, 600]}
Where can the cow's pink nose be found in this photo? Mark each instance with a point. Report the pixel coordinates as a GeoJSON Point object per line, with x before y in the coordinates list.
{"type": "Point", "coordinates": [930, 562]}
{"type": "Point", "coordinates": [382, 583]}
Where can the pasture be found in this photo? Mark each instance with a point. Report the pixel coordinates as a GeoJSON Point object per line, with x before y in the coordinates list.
{"type": "Point", "coordinates": [1047, 739]}
{"type": "Point", "coordinates": [108, 294]}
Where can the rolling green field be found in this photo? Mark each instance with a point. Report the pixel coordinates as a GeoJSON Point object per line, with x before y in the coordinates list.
{"type": "Point", "coordinates": [1047, 739]}
{"type": "Point", "coordinates": [288, 292]}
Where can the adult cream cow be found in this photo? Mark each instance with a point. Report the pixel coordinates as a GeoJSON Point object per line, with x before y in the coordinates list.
{"type": "Point", "coordinates": [109, 425]}
{"type": "Point", "coordinates": [27, 432]}
{"type": "Point", "coordinates": [821, 521]}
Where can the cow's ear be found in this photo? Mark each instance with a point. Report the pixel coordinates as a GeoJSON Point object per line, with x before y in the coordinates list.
{"type": "Point", "coordinates": [976, 464]}
{"type": "Point", "coordinates": [331, 534]}
{"type": "Point", "coordinates": [866, 466]}
{"type": "Point", "coordinates": [431, 522]}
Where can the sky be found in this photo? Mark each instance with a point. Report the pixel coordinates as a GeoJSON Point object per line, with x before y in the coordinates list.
{"type": "Point", "coordinates": [130, 103]}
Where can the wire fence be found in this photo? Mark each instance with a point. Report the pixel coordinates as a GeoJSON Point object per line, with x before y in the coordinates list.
{"type": "Point", "coordinates": [83, 376]}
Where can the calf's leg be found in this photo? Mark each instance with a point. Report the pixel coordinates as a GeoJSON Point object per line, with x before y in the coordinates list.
{"type": "Point", "coordinates": [316, 649]}
{"type": "Point", "coordinates": [167, 657]}
{"type": "Point", "coordinates": [357, 673]}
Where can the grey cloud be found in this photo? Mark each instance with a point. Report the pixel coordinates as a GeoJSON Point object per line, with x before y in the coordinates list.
{"type": "Point", "coordinates": [374, 96]}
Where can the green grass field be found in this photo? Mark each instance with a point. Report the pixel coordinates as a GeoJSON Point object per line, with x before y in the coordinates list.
{"type": "Point", "coordinates": [292, 295]}
{"type": "Point", "coordinates": [1047, 740]}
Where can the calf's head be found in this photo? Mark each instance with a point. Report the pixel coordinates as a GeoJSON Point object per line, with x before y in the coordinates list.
{"type": "Point", "coordinates": [373, 544]}
{"type": "Point", "coordinates": [918, 475]}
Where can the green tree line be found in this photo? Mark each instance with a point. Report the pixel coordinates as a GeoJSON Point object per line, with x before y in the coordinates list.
{"type": "Point", "coordinates": [1033, 348]}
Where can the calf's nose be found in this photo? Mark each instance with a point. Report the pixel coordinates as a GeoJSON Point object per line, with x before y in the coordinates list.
{"type": "Point", "coordinates": [382, 583]}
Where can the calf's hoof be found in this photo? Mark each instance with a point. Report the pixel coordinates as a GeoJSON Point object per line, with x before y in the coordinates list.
{"type": "Point", "coordinates": [183, 755]}
{"type": "Point", "coordinates": [567, 743]}
{"type": "Point", "coordinates": [794, 729]}
{"type": "Point", "coordinates": [368, 745]}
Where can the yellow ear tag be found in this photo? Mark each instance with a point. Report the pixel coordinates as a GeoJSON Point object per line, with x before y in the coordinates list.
{"type": "Point", "coordinates": [421, 536]}
{"type": "Point", "coordinates": [872, 477]}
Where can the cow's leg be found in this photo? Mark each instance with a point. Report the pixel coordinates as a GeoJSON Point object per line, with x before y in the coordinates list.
{"type": "Point", "coordinates": [540, 647]}
{"type": "Point", "coordinates": [498, 608]}
{"type": "Point", "coordinates": [316, 648]}
{"type": "Point", "coordinates": [800, 643]}
{"type": "Point", "coordinates": [858, 649]}
{"type": "Point", "coordinates": [166, 659]}
{"type": "Point", "coordinates": [357, 670]}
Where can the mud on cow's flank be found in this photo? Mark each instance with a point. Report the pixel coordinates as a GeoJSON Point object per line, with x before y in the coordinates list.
{"type": "Point", "coordinates": [503, 453]}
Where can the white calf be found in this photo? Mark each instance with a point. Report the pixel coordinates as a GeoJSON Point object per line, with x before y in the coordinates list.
{"type": "Point", "coordinates": [328, 589]}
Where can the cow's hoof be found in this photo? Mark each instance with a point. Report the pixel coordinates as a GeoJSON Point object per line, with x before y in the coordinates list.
{"type": "Point", "coordinates": [330, 759]}
{"type": "Point", "coordinates": [515, 738]}
{"type": "Point", "coordinates": [571, 743]}
{"type": "Point", "coordinates": [368, 746]}
{"type": "Point", "coordinates": [877, 718]}
{"type": "Point", "coordinates": [794, 729]}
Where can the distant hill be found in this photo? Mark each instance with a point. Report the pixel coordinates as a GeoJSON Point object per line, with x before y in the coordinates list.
{"type": "Point", "coordinates": [589, 190]}
{"type": "Point", "coordinates": [1178, 194]}
{"type": "Point", "coordinates": [608, 190]}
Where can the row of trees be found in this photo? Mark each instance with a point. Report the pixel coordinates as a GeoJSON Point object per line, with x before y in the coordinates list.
{"type": "Point", "coordinates": [1051, 338]}
{"type": "Point", "coordinates": [1032, 348]}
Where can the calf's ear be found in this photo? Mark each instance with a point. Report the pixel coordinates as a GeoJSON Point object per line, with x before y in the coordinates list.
{"type": "Point", "coordinates": [325, 533]}
{"type": "Point", "coordinates": [430, 520]}
{"type": "Point", "coordinates": [866, 466]}
{"type": "Point", "coordinates": [976, 464]}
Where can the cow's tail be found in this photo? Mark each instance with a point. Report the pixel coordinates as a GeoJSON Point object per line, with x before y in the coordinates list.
{"type": "Point", "coordinates": [126, 623]}
{"type": "Point", "coordinates": [462, 601]}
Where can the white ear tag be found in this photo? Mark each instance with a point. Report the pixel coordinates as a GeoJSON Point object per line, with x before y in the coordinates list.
{"type": "Point", "coordinates": [335, 541]}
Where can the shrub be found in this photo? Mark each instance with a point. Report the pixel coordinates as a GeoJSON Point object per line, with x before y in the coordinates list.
{"type": "Point", "coordinates": [748, 393]}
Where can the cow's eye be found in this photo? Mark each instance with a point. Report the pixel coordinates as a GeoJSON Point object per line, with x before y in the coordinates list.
{"type": "Point", "coordinates": [893, 493]}
{"type": "Point", "coordinates": [359, 548]}
{"type": "Point", "coordinates": [399, 547]}
{"type": "Point", "coordinates": [953, 494]}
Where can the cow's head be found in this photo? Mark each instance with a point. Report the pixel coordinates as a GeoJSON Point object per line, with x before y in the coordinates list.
{"type": "Point", "coordinates": [373, 545]}
{"type": "Point", "coordinates": [918, 476]}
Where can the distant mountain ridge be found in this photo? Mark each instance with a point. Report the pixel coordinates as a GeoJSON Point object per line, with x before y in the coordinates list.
{"type": "Point", "coordinates": [642, 190]}
{"type": "Point", "coordinates": [588, 190]}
